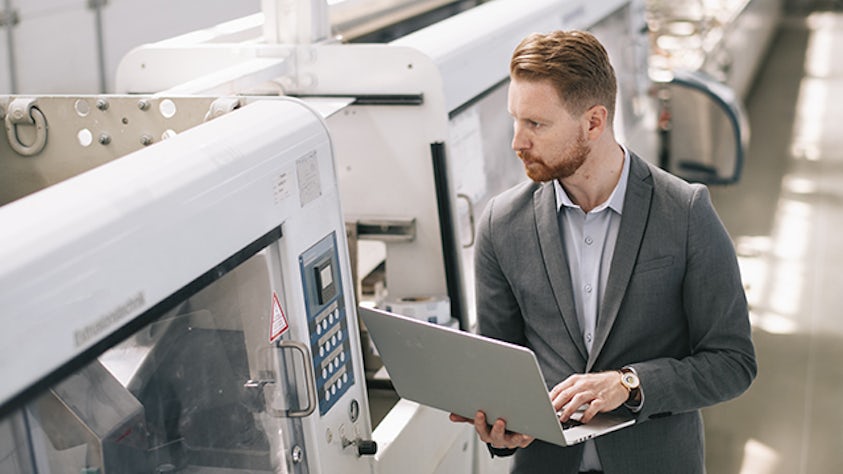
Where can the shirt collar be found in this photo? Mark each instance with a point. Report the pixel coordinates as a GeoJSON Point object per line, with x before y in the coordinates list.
{"type": "Point", "coordinates": [616, 199]}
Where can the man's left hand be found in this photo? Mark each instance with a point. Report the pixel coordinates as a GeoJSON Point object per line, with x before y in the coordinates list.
{"type": "Point", "coordinates": [599, 392]}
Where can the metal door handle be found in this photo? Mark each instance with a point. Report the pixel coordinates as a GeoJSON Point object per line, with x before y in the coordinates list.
{"type": "Point", "coordinates": [309, 381]}
{"type": "Point", "coordinates": [470, 219]}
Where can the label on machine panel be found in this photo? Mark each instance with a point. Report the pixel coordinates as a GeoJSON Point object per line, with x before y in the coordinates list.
{"type": "Point", "coordinates": [278, 322]}
{"type": "Point", "coordinates": [326, 319]}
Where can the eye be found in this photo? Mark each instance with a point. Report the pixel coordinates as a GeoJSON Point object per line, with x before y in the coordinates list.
{"type": "Point", "coordinates": [528, 124]}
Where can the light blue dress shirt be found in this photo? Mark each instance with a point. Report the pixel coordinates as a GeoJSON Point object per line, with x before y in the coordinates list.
{"type": "Point", "coordinates": [589, 241]}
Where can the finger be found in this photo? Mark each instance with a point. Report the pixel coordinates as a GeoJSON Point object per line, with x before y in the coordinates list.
{"type": "Point", "coordinates": [482, 428]}
{"type": "Point", "coordinates": [519, 440]}
{"type": "Point", "coordinates": [564, 385]}
{"type": "Point", "coordinates": [459, 419]}
{"type": "Point", "coordinates": [499, 435]}
{"type": "Point", "coordinates": [561, 399]}
{"type": "Point", "coordinates": [557, 389]}
{"type": "Point", "coordinates": [501, 438]}
{"type": "Point", "coordinates": [578, 400]}
{"type": "Point", "coordinates": [593, 409]}
{"type": "Point", "coordinates": [566, 412]}
{"type": "Point", "coordinates": [563, 393]}
{"type": "Point", "coordinates": [525, 441]}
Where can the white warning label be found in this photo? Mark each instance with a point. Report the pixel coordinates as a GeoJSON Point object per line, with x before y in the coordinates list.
{"type": "Point", "coordinates": [278, 325]}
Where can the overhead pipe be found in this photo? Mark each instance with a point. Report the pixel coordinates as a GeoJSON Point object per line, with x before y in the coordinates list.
{"type": "Point", "coordinates": [295, 21]}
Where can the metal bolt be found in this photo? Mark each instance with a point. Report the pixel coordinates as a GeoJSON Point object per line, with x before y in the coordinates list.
{"type": "Point", "coordinates": [104, 139]}
{"type": "Point", "coordinates": [143, 104]}
{"type": "Point", "coordinates": [102, 104]}
{"type": "Point", "coordinates": [354, 410]}
{"type": "Point", "coordinates": [146, 140]}
{"type": "Point", "coordinates": [297, 454]}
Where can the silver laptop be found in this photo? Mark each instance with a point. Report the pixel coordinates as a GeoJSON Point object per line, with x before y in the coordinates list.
{"type": "Point", "coordinates": [461, 372]}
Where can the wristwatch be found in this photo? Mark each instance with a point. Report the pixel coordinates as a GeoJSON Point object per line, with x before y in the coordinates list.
{"type": "Point", "coordinates": [629, 379]}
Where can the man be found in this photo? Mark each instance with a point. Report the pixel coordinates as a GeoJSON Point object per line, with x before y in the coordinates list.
{"type": "Point", "coordinates": [619, 276]}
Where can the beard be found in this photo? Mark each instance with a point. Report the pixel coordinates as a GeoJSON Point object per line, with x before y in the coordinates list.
{"type": "Point", "coordinates": [572, 159]}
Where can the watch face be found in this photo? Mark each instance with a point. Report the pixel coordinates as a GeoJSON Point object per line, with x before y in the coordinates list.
{"type": "Point", "coordinates": [630, 380]}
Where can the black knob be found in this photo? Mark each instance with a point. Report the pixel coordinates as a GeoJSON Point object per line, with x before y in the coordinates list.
{"type": "Point", "coordinates": [366, 447]}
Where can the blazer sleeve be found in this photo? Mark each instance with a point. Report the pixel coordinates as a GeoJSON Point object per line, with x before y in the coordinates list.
{"type": "Point", "coordinates": [721, 362]}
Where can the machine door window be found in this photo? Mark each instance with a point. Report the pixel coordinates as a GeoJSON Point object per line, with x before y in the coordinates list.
{"type": "Point", "coordinates": [192, 391]}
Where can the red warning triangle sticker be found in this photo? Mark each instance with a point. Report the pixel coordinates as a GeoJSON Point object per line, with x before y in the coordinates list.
{"type": "Point", "coordinates": [278, 325]}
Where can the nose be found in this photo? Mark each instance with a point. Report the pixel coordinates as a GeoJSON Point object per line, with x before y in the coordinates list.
{"type": "Point", "coordinates": [519, 139]}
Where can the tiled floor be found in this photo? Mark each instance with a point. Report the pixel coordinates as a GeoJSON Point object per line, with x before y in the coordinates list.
{"type": "Point", "coordinates": [786, 217]}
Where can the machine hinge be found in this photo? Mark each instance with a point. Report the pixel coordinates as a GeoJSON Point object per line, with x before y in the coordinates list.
{"type": "Point", "coordinates": [97, 4]}
{"type": "Point", "coordinates": [9, 18]}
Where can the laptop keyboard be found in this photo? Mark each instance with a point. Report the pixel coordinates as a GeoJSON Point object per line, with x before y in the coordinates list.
{"type": "Point", "coordinates": [570, 423]}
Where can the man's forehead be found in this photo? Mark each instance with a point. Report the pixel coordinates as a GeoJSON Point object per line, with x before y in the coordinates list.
{"type": "Point", "coordinates": [538, 94]}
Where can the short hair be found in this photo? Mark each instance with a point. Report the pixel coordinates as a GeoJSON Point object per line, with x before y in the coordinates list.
{"type": "Point", "coordinates": [576, 64]}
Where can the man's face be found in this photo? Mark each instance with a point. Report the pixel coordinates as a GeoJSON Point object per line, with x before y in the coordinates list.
{"type": "Point", "coordinates": [551, 142]}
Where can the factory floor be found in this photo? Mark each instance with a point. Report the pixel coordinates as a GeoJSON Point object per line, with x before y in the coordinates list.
{"type": "Point", "coordinates": [785, 216]}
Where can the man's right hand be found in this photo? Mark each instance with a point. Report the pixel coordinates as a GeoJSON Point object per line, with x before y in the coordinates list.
{"type": "Point", "coordinates": [496, 434]}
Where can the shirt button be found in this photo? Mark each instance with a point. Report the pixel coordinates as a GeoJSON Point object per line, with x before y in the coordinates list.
{"type": "Point", "coordinates": [588, 337]}
{"type": "Point", "coordinates": [589, 240]}
{"type": "Point", "coordinates": [588, 288]}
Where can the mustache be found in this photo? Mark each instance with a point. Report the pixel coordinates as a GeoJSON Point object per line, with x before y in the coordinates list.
{"type": "Point", "coordinates": [525, 155]}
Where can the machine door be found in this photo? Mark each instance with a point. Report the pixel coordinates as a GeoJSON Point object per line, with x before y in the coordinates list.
{"type": "Point", "coordinates": [199, 388]}
{"type": "Point", "coordinates": [703, 127]}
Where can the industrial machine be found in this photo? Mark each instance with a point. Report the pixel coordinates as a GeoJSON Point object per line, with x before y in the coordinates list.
{"type": "Point", "coordinates": [179, 309]}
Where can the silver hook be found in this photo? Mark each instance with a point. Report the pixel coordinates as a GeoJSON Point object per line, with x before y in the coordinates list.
{"type": "Point", "coordinates": [23, 111]}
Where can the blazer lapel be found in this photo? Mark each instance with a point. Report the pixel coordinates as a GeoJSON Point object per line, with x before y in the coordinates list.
{"type": "Point", "coordinates": [556, 264]}
{"type": "Point", "coordinates": [636, 210]}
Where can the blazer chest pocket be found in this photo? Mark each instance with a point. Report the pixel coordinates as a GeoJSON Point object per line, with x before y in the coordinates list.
{"type": "Point", "coordinates": [654, 264]}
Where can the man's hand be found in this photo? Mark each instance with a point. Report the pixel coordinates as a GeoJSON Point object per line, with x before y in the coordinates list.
{"type": "Point", "coordinates": [496, 434]}
{"type": "Point", "coordinates": [599, 392]}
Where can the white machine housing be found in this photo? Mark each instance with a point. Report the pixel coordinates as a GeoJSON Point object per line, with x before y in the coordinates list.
{"type": "Point", "coordinates": [89, 261]}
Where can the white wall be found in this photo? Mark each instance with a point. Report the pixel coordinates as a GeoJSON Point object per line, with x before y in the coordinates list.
{"type": "Point", "coordinates": [55, 41]}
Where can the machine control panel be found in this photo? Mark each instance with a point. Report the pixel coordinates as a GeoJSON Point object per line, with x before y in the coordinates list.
{"type": "Point", "coordinates": [327, 322]}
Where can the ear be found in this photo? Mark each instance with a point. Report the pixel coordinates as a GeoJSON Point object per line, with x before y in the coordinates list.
{"type": "Point", "coordinates": [597, 121]}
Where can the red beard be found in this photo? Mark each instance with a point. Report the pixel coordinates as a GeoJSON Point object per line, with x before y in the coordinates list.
{"type": "Point", "coordinates": [574, 156]}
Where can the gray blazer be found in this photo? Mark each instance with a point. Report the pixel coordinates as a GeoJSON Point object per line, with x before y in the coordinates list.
{"type": "Point", "coordinates": [674, 309]}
